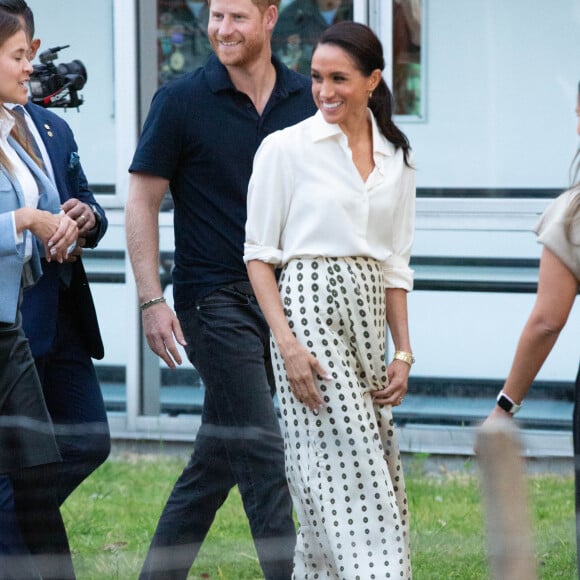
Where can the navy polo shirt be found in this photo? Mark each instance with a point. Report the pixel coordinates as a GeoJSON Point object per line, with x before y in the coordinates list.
{"type": "Point", "coordinates": [201, 134]}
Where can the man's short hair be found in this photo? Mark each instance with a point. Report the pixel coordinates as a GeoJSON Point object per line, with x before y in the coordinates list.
{"type": "Point", "coordinates": [20, 8]}
{"type": "Point", "coordinates": [262, 4]}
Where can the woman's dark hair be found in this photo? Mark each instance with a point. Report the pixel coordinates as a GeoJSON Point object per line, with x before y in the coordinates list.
{"type": "Point", "coordinates": [20, 8]}
{"type": "Point", "coordinates": [364, 47]}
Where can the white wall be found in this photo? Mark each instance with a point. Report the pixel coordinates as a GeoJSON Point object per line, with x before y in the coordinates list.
{"type": "Point", "coordinates": [86, 25]}
{"type": "Point", "coordinates": [502, 80]}
{"type": "Point", "coordinates": [501, 86]}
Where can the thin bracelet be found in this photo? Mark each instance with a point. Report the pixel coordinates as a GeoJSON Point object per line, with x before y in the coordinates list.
{"type": "Point", "coordinates": [150, 303]}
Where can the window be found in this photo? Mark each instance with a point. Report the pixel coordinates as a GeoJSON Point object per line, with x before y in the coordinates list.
{"type": "Point", "coordinates": [407, 57]}
{"type": "Point", "coordinates": [300, 24]}
{"type": "Point", "coordinates": [182, 43]}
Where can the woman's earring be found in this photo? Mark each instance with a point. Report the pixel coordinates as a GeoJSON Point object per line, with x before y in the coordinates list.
{"type": "Point", "coordinates": [370, 94]}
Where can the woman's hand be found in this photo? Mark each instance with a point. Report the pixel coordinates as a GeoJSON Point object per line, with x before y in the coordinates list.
{"type": "Point", "coordinates": [394, 394]}
{"type": "Point", "coordinates": [63, 240]}
{"type": "Point", "coordinates": [301, 367]}
{"type": "Point", "coordinates": [497, 413]}
{"type": "Point", "coordinates": [57, 232]}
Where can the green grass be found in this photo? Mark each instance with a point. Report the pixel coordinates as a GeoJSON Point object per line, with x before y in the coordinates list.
{"type": "Point", "coordinates": [111, 517]}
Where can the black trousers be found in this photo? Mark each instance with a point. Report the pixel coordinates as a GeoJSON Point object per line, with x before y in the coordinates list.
{"type": "Point", "coordinates": [41, 525]}
{"type": "Point", "coordinates": [29, 456]}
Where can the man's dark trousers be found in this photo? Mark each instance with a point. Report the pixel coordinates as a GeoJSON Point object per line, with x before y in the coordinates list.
{"type": "Point", "coordinates": [239, 442]}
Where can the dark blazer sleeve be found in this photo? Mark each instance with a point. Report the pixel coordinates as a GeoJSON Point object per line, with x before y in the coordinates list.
{"type": "Point", "coordinates": [69, 176]}
{"type": "Point", "coordinates": [40, 306]}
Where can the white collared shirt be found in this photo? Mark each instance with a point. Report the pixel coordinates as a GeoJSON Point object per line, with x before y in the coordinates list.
{"type": "Point", "coordinates": [21, 173]}
{"type": "Point", "coordinates": [307, 199]}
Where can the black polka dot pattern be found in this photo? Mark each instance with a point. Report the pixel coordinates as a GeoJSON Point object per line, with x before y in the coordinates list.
{"type": "Point", "coordinates": [343, 464]}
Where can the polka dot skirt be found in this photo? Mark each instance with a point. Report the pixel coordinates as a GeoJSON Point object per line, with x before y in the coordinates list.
{"type": "Point", "coordinates": [343, 464]}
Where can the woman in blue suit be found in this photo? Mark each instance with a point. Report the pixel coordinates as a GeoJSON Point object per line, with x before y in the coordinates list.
{"type": "Point", "coordinates": [31, 222]}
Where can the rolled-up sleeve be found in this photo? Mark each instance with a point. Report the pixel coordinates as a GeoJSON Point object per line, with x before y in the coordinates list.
{"type": "Point", "coordinates": [269, 193]}
{"type": "Point", "coordinates": [398, 273]}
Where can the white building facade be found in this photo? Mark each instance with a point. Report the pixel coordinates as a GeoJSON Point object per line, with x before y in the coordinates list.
{"type": "Point", "coordinates": [491, 121]}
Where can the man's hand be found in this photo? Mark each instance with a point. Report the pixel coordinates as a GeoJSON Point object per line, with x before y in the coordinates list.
{"type": "Point", "coordinates": [81, 213]}
{"type": "Point", "coordinates": [161, 326]}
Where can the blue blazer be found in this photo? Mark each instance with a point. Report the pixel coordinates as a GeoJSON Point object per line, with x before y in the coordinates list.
{"type": "Point", "coordinates": [11, 253]}
{"type": "Point", "coordinates": [41, 302]}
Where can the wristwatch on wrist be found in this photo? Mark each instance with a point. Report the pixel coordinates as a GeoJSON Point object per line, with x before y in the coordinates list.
{"type": "Point", "coordinates": [505, 403]}
{"type": "Point", "coordinates": [96, 212]}
{"type": "Point", "coordinates": [98, 218]}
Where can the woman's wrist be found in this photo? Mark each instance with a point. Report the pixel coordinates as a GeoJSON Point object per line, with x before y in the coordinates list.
{"type": "Point", "coordinates": [405, 356]}
{"type": "Point", "coordinates": [23, 219]}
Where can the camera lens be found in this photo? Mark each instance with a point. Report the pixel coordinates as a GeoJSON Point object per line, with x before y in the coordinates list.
{"type": "Point", "coordinates": [75, 72]}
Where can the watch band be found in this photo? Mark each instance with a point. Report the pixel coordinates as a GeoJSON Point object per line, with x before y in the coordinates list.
{"type": "Point", "coordinates": [505, 403]}
{"type": "Point", "coordinates": [95, 211]}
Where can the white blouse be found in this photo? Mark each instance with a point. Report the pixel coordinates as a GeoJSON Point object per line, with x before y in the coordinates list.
{"type": "Point", "coordinates": [307, 199]}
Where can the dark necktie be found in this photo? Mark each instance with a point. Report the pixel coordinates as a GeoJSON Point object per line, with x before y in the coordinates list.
{"type": "Point", "coordinates": [31, 141]}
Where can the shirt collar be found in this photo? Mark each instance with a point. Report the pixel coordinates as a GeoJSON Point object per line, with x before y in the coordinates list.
{"type": "Point", "coordinates": [322, 130]}
{"type": "Point", "coordinates": [218, 78]}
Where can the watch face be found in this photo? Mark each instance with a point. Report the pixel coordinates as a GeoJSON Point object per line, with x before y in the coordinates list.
{"type": "Point", "coordinates": [508, 406]}
{"type": "Point", "coordinates": [504, 403]}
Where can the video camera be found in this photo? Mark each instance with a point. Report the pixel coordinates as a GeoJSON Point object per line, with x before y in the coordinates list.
{"type": "Point", "coordinates": [57, 86]}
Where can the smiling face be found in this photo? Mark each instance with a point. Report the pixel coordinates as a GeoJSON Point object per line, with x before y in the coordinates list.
{"type": "Point", "coordinates": [340, 90]}
{"type": "Point", "coordinates": [240, 32]}
{"type": "Point", "coordinates": [15, 69]}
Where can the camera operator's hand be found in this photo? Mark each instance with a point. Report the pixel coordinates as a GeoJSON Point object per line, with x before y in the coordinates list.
{"type": "Point", "coordinates": [82, 214]}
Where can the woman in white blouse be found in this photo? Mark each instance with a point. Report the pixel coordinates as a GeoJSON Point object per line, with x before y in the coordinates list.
{"type": "Point", "coordinates": [30, 222]}
{"type": "Point", "coordinates": [331, 202]}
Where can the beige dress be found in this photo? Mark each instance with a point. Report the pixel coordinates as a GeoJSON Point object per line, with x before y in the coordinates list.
{"type": "Point", "coordinates": [560, 233]}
